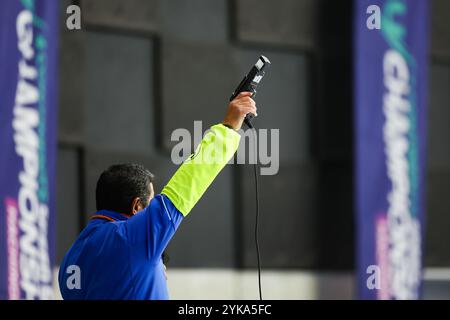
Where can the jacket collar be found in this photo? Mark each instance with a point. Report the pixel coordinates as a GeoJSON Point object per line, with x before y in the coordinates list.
{"type": "Point", "coordinates": [110, 216]}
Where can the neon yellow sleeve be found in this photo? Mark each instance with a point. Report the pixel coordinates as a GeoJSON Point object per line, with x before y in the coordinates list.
{"type": "Point", "coordinates": [197, 172]}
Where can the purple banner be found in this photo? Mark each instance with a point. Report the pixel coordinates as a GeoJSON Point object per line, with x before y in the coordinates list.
{"type": "Point", "coordinates": [390, 133]}
{"type": "Point", "coordinates": [28, 105]}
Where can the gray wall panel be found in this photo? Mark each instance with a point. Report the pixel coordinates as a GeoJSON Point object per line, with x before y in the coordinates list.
{"type": "Point", "coordinates": [438, 177]}
{"type": "Point", "coordinates": [196, 21]}
{"type": "Point", "coordinates": [196, 84]}
{"type": "Point", "coordinates": [72, 62]}
{"type": "Point", "coordinates": [139, 15]}
{"type": "Point", "coordinates": [289, 23]}
{"type": "Point", "coordinates": [440, 29]}
{"type": "Point", "coordinates": [336, 216]}
{"type": "Point", "coordinates": [289, 226]}
{"type": "Point", "coordinates": [439, 117]}
{"type": "Point", "coordinates": [437, 253]}
{"type": "Point", "coordinates": [119, 93]}
{"type": "Point", "coordinates": [68, 208]}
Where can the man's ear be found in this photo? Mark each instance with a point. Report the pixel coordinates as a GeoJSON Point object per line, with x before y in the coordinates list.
{"type": "Point", "coordinates": [136, 205]}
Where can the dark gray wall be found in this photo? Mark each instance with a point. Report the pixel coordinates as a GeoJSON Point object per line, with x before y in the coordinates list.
{"type": "Point", "coordinates": [139, 69]}
{"type": "Point", "coordinates": [437, 243]}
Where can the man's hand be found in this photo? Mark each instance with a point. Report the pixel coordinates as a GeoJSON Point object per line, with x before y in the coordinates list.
{"type": "Point", "coordinates": [238, 109]}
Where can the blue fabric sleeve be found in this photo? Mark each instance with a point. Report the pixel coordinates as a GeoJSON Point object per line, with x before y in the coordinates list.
{"type": "Point", "coordinates": [152, 228]}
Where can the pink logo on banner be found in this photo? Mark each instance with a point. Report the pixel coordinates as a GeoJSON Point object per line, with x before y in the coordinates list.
{"type": "Point", "coordinates": [12, 248]}
{"type": "Point", "coordinates": [382, 254]}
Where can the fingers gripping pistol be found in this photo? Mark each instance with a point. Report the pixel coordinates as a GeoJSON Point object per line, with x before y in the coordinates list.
{"type": "Point", "coordinates": [251, 82]}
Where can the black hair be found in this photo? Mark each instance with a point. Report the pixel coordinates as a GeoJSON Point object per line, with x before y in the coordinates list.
{"type": "Point", "coordinates": [120, 184]}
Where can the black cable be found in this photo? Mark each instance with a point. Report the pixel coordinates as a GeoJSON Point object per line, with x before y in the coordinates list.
{"type": "Point", "coordinates": [255, 170]}
{"type": "Point", "coordinates": [255, 166]}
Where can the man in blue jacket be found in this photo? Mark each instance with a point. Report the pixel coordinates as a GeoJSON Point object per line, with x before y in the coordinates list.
{"type": "Point", "coordinates": [118, 254]}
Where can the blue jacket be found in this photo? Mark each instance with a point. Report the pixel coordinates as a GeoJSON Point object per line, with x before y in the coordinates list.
{"type": "Point", "coordinates": [124, 249]}
{"type": "Point", "coordinates": [119, 257]}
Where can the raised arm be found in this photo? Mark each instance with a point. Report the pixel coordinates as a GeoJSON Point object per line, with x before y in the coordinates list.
{"type": "Point", "coordinates": [150, 230]}
{"type": "Point", "coordinates": [218, 146]}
